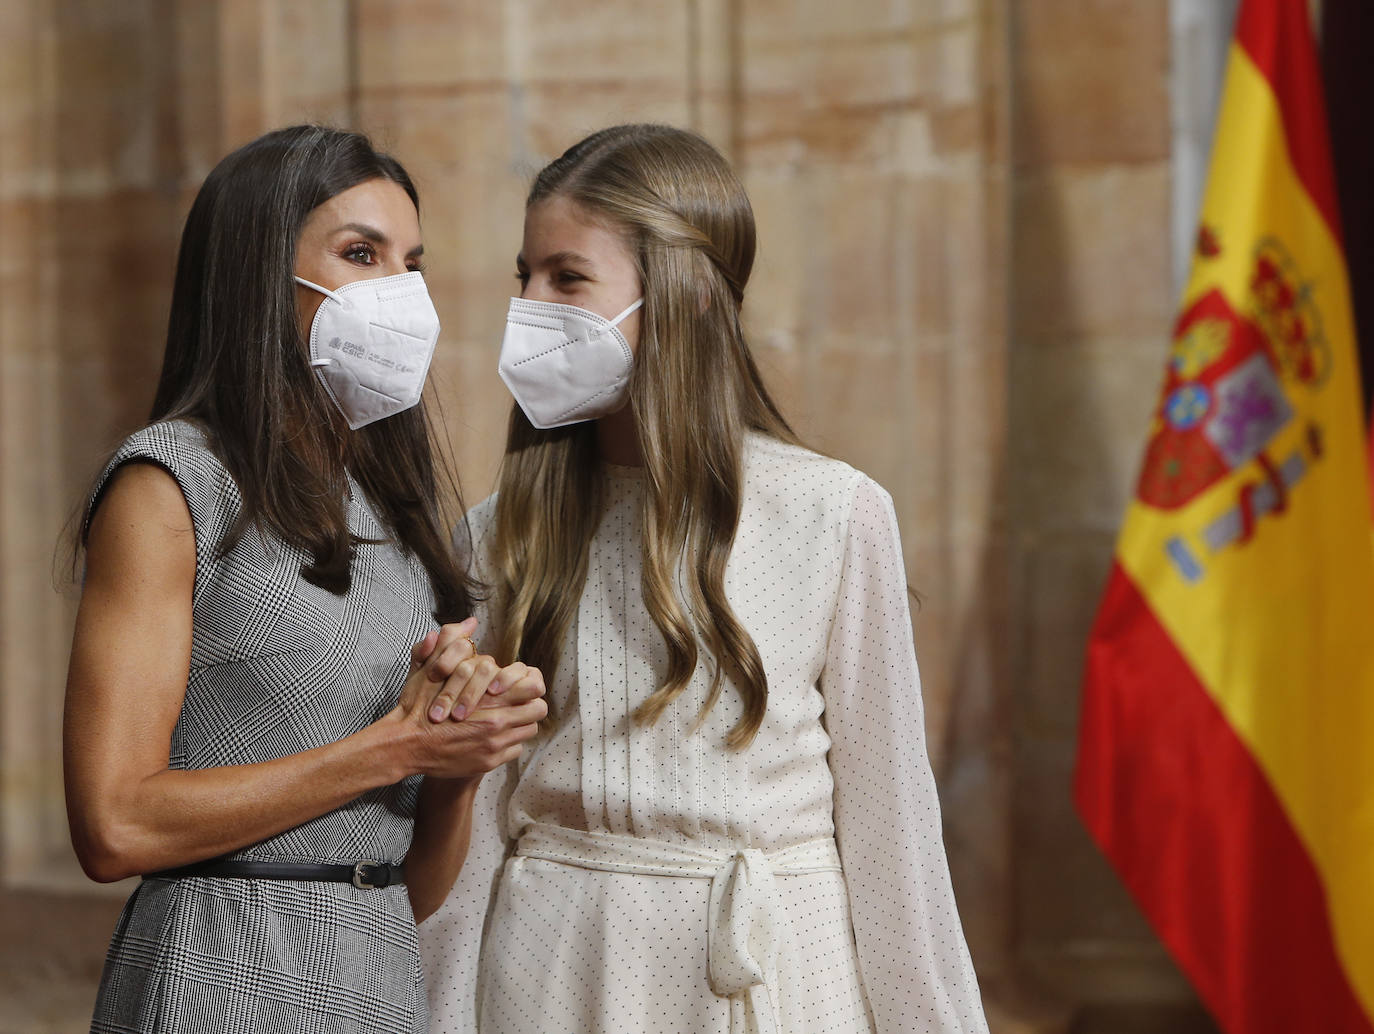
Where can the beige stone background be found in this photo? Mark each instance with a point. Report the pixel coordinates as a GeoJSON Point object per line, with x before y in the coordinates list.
{"type": "Point", "coordinates": [964, 288]}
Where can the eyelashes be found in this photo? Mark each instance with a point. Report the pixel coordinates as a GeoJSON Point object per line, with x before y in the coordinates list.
{"type": "Point", "coordinates": [566, 278]}
{"type": "Point", "coordinates": [362, 253]}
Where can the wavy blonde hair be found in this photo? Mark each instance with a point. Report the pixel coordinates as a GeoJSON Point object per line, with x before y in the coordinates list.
{"type": "Point", "coordinates": [695, 392]}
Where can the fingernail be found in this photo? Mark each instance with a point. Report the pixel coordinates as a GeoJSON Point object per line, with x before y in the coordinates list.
{"type": "Point", "coordinates": [496, 689]}
{"type": "Point", "coordinates": [436, 713]}
{"type": "Point", "coordinates": [459, 713]}
{"type": "Point", "coordinates": [468, 623]}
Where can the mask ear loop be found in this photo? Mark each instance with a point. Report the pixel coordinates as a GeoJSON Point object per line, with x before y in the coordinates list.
{"type": "Point", "coordinates": [633, 306]}
{"type": "Point", "coordinates": [323, 290]}
{"type": "Point", "coordinates": [328, 294]}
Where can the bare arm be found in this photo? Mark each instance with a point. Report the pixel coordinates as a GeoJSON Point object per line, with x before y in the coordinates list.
{"type": "Point", "coordinates": [129, 812]}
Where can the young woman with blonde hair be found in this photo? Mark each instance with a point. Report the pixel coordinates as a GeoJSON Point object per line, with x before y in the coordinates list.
{"type": "Point", "coordinates": [729, 823]}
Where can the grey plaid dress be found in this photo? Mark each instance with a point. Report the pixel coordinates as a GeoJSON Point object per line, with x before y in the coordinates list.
{"type": "Point", "coordinates": [278, 666]}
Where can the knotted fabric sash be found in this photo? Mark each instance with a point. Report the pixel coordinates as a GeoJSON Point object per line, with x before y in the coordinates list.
{"type": "Point", "coordinates": [742, 947]}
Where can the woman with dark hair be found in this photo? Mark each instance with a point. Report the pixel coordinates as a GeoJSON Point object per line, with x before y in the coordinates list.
{"type": "Point", "coordinates": [269, 643]}
{"type": "Point", "coordinates": [730, 824]}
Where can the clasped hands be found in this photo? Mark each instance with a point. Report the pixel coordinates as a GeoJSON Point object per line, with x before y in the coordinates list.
{"type": "Point", "coordinates": [468, 714]}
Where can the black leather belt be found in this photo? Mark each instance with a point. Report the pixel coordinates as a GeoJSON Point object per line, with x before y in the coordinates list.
{"type": "Point", "coordinates": [364, 875]}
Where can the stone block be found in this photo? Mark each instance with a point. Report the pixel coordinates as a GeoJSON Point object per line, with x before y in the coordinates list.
{"type": "Point", "coordinates": [1069, 903]}
{"type": "Point", "coordinates": [972, 216]}
{"type": "Point", "coordinates": [776, 300]}
{"type": "Point", "coordinates": [431, 43]}
{"type": "Point", "coordinates": [781, 367]}
{"type": "Point", "coordinates": [776, 132]}
{"type": "Point", "coordinates": [442, 134]}
{"type": "Point", "coordinates": [475, 406]}
{"type": "Point", "coordinates": [473, 228]}
{"type": "Point", "coordinates": [851, 284]}
{"type": "Point", "coordinates": [959, 128]}
{"type": "Point", "coordinates": [1091, 81]}
{"type": "Point", "coordinates": [118, 251]}
{"type": "Point", "coordinates": [1059, 584]}
{"type": "Point", "coordinates": [850, 72]}
{"type": "Point", "coordinates": [923, 241]}
{"type": "Point", "coordinates": [1090, 255]}
{"type": "Point", "coordinates": [618, 46]}
{"type": "Point", "coordinates": [25, 99]}
{"type": "Point", "coordinates": [960, 77]}
{"type": "Point", "coordinates": [54, 948]}
{"type": "Point", "coordinates": [864, 412]}
{"type": "Point", "coordinates": [819, 22]}
{"type": "Point", "coordinates": [310, 63]}
{"type": "Point", "coordinates": [198, 141]}
{"type": "Point", "coordinates": [554, 117]}
{"type": "Point", "coordinates": [1078, 422]}
{"type": "Point", "coordinates": [114, 91]}
{"type": "Point", "coordinates": [974, 439]}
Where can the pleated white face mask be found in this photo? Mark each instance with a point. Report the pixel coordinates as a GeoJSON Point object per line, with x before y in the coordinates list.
{"type": "Point", "coordinates": [371, 343]}
{"type": "Point", "coordinates": [564, 364]}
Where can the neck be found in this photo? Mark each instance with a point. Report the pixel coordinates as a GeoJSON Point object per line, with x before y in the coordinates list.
{"type": "Point", "coordinates": [617, 439]}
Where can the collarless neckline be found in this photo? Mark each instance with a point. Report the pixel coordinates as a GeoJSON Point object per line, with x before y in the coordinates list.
{"type": "Point", "coordinates": [622, 471]}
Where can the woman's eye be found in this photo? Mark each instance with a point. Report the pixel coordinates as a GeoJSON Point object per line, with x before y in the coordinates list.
{"type": "Point", "coordinates": [362, 254]}
{"type": "Point", "coordinates": [569, 277]}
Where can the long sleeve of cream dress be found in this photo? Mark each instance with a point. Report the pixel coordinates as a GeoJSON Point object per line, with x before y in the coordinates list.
{"type": "Point", "coordinates": [630, 878]}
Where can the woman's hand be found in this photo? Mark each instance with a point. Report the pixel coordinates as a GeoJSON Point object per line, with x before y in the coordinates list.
{"type": "Point", "coordinates": [493, 710]}
{"type": "Point", "coordinates": [486, 739]}
{"type": "Point", "coordinates": [436, 657]}
{"type": "Point", "coordinates": [441, 655]}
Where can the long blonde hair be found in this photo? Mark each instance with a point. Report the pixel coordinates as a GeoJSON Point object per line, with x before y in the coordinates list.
{"type": "Point", "coordinates": [695, 392]}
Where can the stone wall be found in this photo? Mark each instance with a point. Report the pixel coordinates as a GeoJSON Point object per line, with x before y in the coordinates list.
{"type": "Point", "coordinates": [1091, 303]}
{"type": "Point", "coordinates": [963, 288]}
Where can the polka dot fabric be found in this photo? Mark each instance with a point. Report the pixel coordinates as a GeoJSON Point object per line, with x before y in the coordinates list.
{"type": "Point", "coordinates": [816, 576]}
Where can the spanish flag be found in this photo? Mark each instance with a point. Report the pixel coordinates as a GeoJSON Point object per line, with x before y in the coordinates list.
{"type": "Point", "coordinates": [1226, 752]}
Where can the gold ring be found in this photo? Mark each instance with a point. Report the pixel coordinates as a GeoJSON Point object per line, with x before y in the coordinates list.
{"type": "Point", "coordinates": [473, 645]}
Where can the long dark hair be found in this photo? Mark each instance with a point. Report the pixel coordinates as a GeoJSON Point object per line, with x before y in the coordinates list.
{"type": "Point", "coordinates": [235, 363]}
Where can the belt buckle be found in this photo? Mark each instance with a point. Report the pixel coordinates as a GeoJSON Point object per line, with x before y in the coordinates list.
{"type": "Point", "coordinates": [362, 882]}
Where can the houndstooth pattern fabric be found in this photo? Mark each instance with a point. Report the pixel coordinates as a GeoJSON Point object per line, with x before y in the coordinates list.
{"type": "Point", "coordinates": [278, 666]}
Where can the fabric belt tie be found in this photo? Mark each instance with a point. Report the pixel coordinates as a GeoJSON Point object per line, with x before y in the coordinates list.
{"type": "Point", "coordinates": [745, 921]}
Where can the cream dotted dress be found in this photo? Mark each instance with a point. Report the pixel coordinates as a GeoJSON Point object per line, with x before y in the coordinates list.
{"type": "Point", "coordinates": [627, 878]}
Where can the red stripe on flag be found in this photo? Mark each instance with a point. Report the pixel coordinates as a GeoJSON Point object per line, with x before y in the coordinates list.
{"type": "Point", "coordinates": [1193, 828]}
{"type": "Point", "coordinates": [1277, 34]}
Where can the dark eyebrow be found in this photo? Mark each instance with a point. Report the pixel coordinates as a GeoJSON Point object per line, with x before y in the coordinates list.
{"type": "Point", "coordinates": [362, 229]}
{"type": "Point", "coordinates": [377, 237]}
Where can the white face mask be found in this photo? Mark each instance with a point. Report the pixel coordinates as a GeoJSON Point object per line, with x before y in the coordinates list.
{"type": "Point", "coordinates": [564, 364]}
{"type": "Point", "coordinates": [371, 343]}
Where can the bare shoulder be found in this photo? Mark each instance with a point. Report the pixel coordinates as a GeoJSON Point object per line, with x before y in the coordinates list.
{"type": "Point", "coordinates": [142, 522]}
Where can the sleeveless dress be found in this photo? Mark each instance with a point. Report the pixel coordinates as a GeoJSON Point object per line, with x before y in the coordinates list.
{"type": "Point", "coordinates": [625, 877]}
{"type": "Point", "coordinates": [278, 666]}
